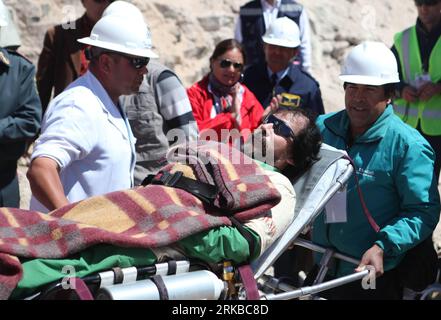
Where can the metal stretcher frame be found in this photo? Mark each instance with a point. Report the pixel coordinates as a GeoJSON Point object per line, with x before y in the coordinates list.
{"type": "Point", "coordinates": [333, 162]}
{"type": "Point", "coordinates": [304, 217]}
{"type": "Point", "coordinates": [314, 189]}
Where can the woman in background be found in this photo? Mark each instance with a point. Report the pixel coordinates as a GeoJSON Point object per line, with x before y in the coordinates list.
{"type": "Point", "coordinates": [219, 101]}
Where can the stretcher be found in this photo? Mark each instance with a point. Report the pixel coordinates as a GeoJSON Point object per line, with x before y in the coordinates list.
{"type": "Point", "coordinates": [178, 277]}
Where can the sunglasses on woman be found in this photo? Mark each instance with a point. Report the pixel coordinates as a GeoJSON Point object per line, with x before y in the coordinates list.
{"type": "Point", "coordinates": [225, 63]}
{"type": "Point", "coordinates": [279, 126]}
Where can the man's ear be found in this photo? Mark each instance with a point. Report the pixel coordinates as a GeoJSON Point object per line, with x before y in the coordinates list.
{"type": "Point", "coordinates": [105, 63]}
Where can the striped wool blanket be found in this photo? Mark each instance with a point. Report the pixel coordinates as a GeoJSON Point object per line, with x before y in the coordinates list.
{"type": "Point", "coordinates": [146, 217]}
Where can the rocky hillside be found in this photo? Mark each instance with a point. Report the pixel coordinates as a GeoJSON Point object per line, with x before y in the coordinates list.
{"type": "Point", "coordinates": [186, 31]}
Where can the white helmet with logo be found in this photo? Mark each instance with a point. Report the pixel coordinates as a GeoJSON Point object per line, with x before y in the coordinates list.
{"type": "Point", "coordinates": [123, 9]}
{"type": "Point", "coordinates": [128, 11]}
{"type": "Point", "coordinates": [370, 63]}
{"type": "Point", "coordinates": [3, 14]}
{"type": "Point", "coordinates": [283, 32]}
{"type": "Point", "coordinates": [120, 34]}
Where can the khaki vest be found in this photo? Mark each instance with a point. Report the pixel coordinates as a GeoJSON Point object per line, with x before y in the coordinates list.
{"type": "Point", "coordinates": [427, 112]}
{"type": "Point", "coordinates": [147, 124]}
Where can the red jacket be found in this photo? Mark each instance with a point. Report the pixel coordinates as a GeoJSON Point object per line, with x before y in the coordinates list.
{"type": "Point", "coordinates": [202, 103]}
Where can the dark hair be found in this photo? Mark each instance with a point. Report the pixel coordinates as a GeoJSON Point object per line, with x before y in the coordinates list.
{"type": "Point", "coordinates": [306, 142]}
{"type": "Point", "coordinates": [227, 45]}
{"type": "Point", "coordinates": [427, 2]}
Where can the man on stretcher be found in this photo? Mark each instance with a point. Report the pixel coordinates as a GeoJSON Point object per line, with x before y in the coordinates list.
{"type": "Point", "coordinates": [251, 205]}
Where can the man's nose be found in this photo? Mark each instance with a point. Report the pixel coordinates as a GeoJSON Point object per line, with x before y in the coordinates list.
{"type": "Point", "coordinates": [359, 94]}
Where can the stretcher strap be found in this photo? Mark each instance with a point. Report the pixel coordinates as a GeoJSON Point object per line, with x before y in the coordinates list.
{"type": "Point", "coordinates": [246, 234]}
{"type": "Point", "coordinates": [249, 283]}
{"type": "Point", "coordinates": [162, 289]}
{"type": "Point", "coordinates": [118, 275]}
{"type": "Point", "coordinates": [172, 267]}
{"type": "Point", "coordinates": [203, 191]}
{"type": "Point", "coordinates": [81, 289]}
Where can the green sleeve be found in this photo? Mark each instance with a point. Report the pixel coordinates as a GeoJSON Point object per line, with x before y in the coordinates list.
{"type": "Point", "coordinates": [39, 272]}
{"type": "Point", "coordinates": [218, 244]}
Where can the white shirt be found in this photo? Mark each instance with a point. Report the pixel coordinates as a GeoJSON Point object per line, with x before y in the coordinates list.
{"type": "Point", "coordinates": [270, 12]}
{"type": "Point", "coordinates": [280, 75]}
{"type": "Point", "coordinates": [269, 15]}
{"type": "Point", "coordinates": [85, 133]}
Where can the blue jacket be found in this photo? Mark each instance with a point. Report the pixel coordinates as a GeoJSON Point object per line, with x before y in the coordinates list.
{"type": "Point", "coordinates": [296, 82]}
{"type": "Point", "coordinates": [395, 166]}
{"type": "Point", "coordinates": [20, 111]}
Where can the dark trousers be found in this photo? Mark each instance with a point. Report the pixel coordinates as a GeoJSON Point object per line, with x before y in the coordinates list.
{"type": "Point", "coordinates": [9, 191]}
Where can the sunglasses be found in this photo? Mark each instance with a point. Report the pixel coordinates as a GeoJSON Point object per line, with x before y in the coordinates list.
{"type": "Point", "coordinates": [225, 63]}
{"type": "Point", "coordinates": [136, 62]}
{"type": "Point", "coordinates": [279, 126]}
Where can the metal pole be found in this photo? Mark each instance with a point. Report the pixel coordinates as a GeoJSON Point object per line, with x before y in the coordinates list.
{"type": "Point", "coordinates": [317, 248]}
{"type": "Point", "coordinates": [317, 288]}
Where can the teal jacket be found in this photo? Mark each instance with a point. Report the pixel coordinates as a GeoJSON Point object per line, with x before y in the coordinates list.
{"type": "Point", "coordinates": [394, 164]}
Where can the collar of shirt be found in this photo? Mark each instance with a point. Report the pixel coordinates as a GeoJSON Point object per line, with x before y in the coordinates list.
{"type": "Point", "coordinates": [266, 166]}
{"type": "Point", "coordinates": [4, 58]}
{"type": "Point", "coordinates": [268, 7]}
{"type": "Point", "coordinates": [102, 94]}
{"type": "Point", "coordinates": [270, 12]}
{"type": "Point", "coordinates": [280, 75]}
{"type": "Point", "coordinates": [435, 33]}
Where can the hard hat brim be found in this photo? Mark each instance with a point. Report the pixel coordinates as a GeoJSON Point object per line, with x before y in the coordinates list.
{"type": "Point", "coordinates": [281, 43]}
{"type": "Point", "coordinates": [139, 52]}
{"type": "Point", "coordinates": [367, 80]}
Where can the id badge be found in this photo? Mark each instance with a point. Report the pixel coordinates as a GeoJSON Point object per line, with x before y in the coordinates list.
{"type": "Point", "coordinates": [422, 79]}
{"type": "Point", "coordinates": [336, 208]}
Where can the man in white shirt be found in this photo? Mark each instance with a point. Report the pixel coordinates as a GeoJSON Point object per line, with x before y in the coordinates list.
{"type": "Point", "coordinates": [86, 147]}
{"type": "Point", "coordinates": [254, 19]}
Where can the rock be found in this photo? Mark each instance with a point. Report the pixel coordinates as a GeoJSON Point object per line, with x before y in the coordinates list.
{"type": "Point", "coordinates": [167, 11]}
{"type": "Point", "coordinates": [214, 23]}
{"type": "Point", "coordinates": [182, 28]}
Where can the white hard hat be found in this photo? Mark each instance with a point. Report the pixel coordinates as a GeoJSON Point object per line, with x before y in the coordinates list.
{"type": "Point", "coordinates": [120, 34]}
{"type": "Point", "coordinates": [283, 32]}
{"type": "Point", "coordinates": [370, 63]}
{"type": "Point", "coordinates": [9, 35]}
{"type": "Point", "coordinates": [3, 14]}
{"type": "Point", "coordinates": [123, 9]}
{"type": "Point", "coordinates": [127, 11]}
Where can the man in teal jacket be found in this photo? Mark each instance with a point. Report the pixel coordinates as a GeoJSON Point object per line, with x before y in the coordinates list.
{"type": "Point", "coordinates": [394, 166]}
